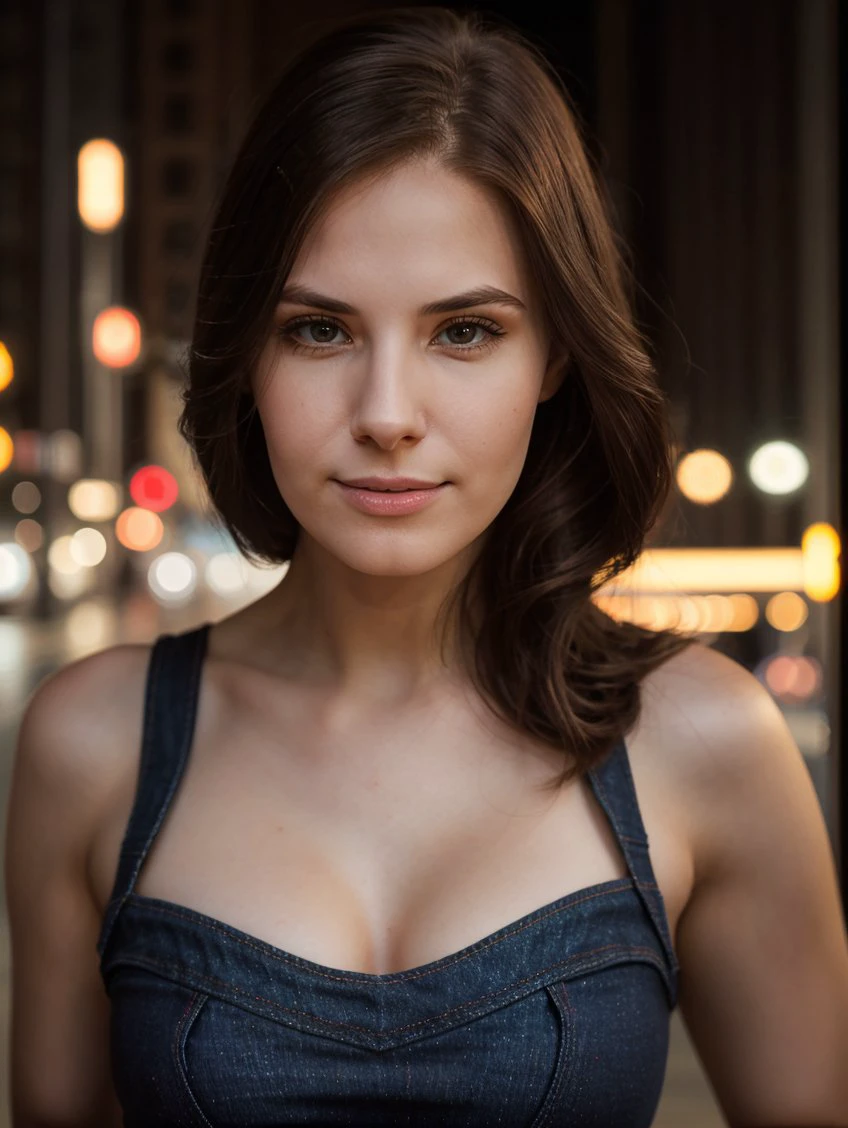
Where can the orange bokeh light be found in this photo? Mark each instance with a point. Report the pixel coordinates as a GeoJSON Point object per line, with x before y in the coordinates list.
{"type": "Point", "coordinates": [116, 337]}
{"type": "Point", "coordinates": [7, 449]}
{"type": "Point", "coordinates": [820, 550]}
{"type": "Point", "coordinates": [139, 529]}
{"type": "Point", "coordinates": [7, 367]}
{"type": "Point", "coordinates": [704, 476]}
{"type": "Point", "coordinates": [100, 184]}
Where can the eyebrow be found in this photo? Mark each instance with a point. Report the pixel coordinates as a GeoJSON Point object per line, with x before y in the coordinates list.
{"type": "Point", "coordinates": [482, 295]}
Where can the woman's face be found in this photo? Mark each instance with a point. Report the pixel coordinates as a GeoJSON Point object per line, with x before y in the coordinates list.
{"type": "Point", "coordinates": [388, 388]}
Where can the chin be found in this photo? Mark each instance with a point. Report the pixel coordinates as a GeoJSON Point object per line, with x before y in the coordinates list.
{"type": "Point", "coordinates": [391, 556]}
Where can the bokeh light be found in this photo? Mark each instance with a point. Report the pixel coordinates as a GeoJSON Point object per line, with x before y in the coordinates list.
{"type": "Point", "coordinates": [745, 611]}
{"type": "Point", "coordinates": [139, 529]}
{"type": "Point", "coordinates": [699, 614]}
{"type": "Point", "coordinates": [792, 678]}
{"type": "Point", "coordinates": [820, 551]}
{"type": "Point", "coordinates": [15, 570]}
{"type": "Point", "coordinates": [100, 185]}
{"type": "Point", "coordinates": [786, 611]}
{"type": "Point", "coordinates": [704, 476]}
{"type": "Point", "coordinates": [29, 534]}
{"type": "Point", "coordinates": [26, 497]}
{"type": "Point", "coordinates": [720, 614]}
{"type": "Point", "coordinates": [93, 499]}
{"type": "Point", "coordinates": [227, 573]}
{"type": "Point", "coordinates": [7, 367]}
{"type": "Point", "coordinates": [116, 337]}
{"type": "Point", "coordinates": [778, 467]}
{"type": "Point", "coordinates": [88, 547]}
{"type": "Point", "coordinates": [711, 570]}
{"type": "Point", "coordinates": [154, 487]}
{"type": "Point", "coordinates": [172, 577]}
{"type": "Point", "coordinates": [7, 449]}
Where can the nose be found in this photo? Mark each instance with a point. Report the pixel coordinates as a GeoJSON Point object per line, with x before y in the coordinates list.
{"type": "Point", "coordinates": [388, 407]}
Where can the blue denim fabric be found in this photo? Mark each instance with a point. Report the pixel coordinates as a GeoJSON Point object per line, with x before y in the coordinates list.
{"type": "Point", "coordinates": [558, 1018]}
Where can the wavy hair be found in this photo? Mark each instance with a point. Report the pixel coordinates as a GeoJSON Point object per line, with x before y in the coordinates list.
{"type": "Point", "coordinates": [471, 91]}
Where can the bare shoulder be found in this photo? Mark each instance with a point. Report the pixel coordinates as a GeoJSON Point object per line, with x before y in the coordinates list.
{"type": "Point", "coordinates": [710, 721]}
{"type": "Point", "coordinates": [721, 750]}
{"type": "Point", "coordinates": [75, 728]}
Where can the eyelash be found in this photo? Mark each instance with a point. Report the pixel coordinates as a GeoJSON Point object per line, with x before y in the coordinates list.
{"type": "Point", "coordinates": [286, 331]}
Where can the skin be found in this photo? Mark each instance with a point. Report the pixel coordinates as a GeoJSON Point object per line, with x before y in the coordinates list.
{"type": "Point", "coordinates": [396, 392]}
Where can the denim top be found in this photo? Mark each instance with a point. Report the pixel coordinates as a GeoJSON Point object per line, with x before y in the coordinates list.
{"type": "Point", "coordinates": [558, 1018]}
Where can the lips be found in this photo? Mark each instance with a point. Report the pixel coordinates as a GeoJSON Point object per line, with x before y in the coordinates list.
{"type": "Point", "coordinates": [390, 485]}
{"type": "Point", "coordinates": [380, 500]}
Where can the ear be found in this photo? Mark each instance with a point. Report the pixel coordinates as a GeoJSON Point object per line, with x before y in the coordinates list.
{"type": "Point", "coordinates": [554, 375]}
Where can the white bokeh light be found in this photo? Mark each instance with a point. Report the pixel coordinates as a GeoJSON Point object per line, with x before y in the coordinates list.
{"type": "Point", "coordinates": [88, 547]}
{"type": "Point", "coordinates": [778, 467]}
{"type": "Point", "coordinates": [94, 499]}
{"type": "Point", "coordinates": [172, 577]}
{"type": "Point", "coordinates": [15, 570]}
{"type": "Point", "coordinates": [227, 573]}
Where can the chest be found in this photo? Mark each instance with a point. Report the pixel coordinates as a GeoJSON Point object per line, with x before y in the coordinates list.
{"type": "Point", "coordinates": [384, 846]}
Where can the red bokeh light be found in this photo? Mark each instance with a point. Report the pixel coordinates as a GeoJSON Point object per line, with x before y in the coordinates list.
{"type": "Point", "coordinates": [154, 487]}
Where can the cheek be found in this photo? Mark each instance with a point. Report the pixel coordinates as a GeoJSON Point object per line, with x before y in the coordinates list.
{"type": "Point", "coordinates": [493, 434]}
{"type": "Point", "coordinates": [295, 430]}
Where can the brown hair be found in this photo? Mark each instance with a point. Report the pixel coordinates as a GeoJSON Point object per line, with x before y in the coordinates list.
{"type": "Point", "coordinates": [470, 90]}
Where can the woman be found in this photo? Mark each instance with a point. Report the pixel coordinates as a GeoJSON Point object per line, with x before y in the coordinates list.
{"type": "Point", "coordinates": [380, 857]}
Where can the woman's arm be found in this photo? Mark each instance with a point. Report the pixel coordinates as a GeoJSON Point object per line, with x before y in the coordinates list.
{"type": "Point", "coordinates": [762, 942]}
{"type": "Point", "coordinates": [60, 1073]}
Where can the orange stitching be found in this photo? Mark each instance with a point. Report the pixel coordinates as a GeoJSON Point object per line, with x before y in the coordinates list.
{"type": "Point", "coordinates": [581, 968]}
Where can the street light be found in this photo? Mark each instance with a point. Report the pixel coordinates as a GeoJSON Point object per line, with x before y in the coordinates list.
{"type": "Point", "coordinates": [100, 185]}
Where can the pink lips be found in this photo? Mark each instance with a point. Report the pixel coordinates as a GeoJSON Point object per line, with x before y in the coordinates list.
{"type": "Point", "coordinates": [370, 500]}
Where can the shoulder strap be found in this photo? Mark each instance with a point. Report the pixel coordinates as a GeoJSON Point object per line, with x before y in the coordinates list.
{"type": "Point", "coordinates": [170, 710]}
{"type": "Point", "coordinates": [612, 783]}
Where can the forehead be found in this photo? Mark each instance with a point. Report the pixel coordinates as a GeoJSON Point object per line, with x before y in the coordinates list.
{"type": "Point", "coordinates": [419, 224]}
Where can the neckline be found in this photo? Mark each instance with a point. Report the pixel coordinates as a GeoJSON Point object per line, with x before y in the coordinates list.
{"type": "Point", "coordinates": [534, 917]}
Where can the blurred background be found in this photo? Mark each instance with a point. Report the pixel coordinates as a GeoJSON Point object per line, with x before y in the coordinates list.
{"type": "Point", "coordinates": [715, 126]}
